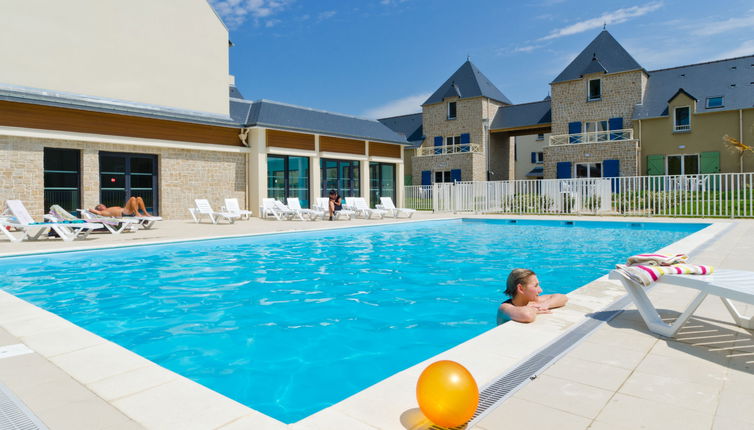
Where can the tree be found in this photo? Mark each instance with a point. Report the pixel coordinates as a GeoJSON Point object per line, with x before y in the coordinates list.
{"type": "Point", "coordinates": [739, 147]}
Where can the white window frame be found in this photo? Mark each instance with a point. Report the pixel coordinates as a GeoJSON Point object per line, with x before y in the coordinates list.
{"type": "Point", "coordinates": [540, 136]}
{"type": "Point", "coordinates": [595, 128]}
{"type": "Point", "coordinates": [587, 163]}
{"type": "Point", "coordinates": [683, 163]}
{"type": "Point", "coordinates": [589, 90]}
{"type": "Point", "coordinates": [722, 102]}
{"type": "Point", "coordinates": [445, 173]}
{"type": "Point", "coordinates": [540, 158]}
{"type": "Point", "coordinates": [456, 109]}
{"type": "Point", "coordinates": [682, 128]}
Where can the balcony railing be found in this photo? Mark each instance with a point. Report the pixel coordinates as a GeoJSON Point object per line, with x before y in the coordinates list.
{"type": "Point", "coordinates": [593, 137]}
{"type": "Point", "coordinates": [462, 148]}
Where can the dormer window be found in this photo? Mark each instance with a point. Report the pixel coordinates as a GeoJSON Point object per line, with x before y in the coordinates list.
{"type": "Point", "coordinates": [714, 102]}
{"type": "Point", "coordinates": [594, 89]}
{"type": "Point", "coordinates": [682, 119]}
{"type": "Point", "coordinates": [452, 110]}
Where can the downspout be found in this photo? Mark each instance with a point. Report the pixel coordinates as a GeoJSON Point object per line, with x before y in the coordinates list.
{"type": "Point", "coordinates": [243, 135]}
{"type": "Point", "coordinates": [741, 136]}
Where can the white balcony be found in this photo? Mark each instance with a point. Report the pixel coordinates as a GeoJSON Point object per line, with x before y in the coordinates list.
{"type": "Point", "coordinates": [593, 137]}
{"type": "Point", "coordinates": [463, 148]}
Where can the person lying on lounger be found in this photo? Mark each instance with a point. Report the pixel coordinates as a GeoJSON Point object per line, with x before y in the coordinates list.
{"type": "Point", "coordinates": [525, 301]}
{"type": "Point", "coordinates": [132, 208]}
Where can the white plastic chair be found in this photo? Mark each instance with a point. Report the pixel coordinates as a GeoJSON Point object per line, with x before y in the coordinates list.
{"type": "Point", "coordinates": [113, 225]}
{"type": "Point", "coordinates": [727, 284]}
{"type": "Point", "coordinates": [204, 208]}
{"type": "Point", "coordinates": [295, 205]}
{"type": "Point", "coordinates": [388, 205]}
{"type": "Point", "coordinates": [20, 220]}
{"type": "Point", "coordinates": [276, 209]}
{"type": "Point", "coordinates": [232, 207]}
{"type": "Point", "coordinates": [363, 210]}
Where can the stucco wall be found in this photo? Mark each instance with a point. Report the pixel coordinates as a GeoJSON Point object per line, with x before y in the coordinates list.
{"type": "Point", "coordinates": [706, 134]}
{"type": "Point", "coordinates": [620, 93]}
{"type": "Point", "coordinates": [170, 52]}
{"type": "Point", "coordinates": [183, 175]}
{"type": "Point", "coordinates": [525, 145]}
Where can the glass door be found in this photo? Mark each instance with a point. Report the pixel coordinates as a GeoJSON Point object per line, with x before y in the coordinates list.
{"type": "Point", "coordinates": [381, 182]}
{"type": "Point", "coordinates": [123, 176]}
{"type": "Point", "coordinates": [342, 176]}
{"type": "Point", "coordinates": [288, 176]}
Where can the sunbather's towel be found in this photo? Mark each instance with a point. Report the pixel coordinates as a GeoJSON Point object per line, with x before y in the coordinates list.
{"type": "Point", "coordinates": [656, 259]}
{"type": "Point", "coordinates": [646, 275]}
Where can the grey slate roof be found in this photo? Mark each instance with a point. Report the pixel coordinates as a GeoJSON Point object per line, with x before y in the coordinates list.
{"type": "Point", "coordinates": [234, 93]}
{"type": "Point", "coordinates": [265, 113]}
{"type": "Point", "coordinates": [468, 82]}
{"type": "Point", "coordinates": [409, 126]}
{"type": "Point", "coordinates": [731, 78]}
{"type": "Point", "coordinates": [522, 115]}
{"type": "Point", "coordinates": [610, 57]}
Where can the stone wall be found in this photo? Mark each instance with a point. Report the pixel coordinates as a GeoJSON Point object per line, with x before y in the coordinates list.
{"type": "Point", "coordinates": [183, 175]}
{"type": "Point", "coordinates": [626, 152]}
{"type": "Point", "coordinates": [472, 166]}
{"type": "Point", "coordinates": [620, 93]}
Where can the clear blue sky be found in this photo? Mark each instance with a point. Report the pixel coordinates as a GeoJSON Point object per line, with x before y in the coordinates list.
{"type": "Point", "coordinates": [378, 58]}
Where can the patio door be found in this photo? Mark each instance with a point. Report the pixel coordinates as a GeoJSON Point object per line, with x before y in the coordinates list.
{"type": "Point", "coordinates": [124, 175]}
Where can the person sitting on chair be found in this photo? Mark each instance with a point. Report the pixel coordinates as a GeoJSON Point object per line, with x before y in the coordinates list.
{"type": "Point", "coordinates": [132, 208]}
{"type": "Point", "coordinates": [334, 203]}
{"type": "Point", "coordinates": [525, 301]}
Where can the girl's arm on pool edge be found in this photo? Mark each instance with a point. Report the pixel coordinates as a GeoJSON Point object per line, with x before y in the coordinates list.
{"type": "Point", "coordinates": [552, 301]}
{"type": "Point", "coordinates": [522, 314]}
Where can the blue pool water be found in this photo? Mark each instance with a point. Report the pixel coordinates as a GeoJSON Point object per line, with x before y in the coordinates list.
{"type": "Point", "coordinates": [289, 324]}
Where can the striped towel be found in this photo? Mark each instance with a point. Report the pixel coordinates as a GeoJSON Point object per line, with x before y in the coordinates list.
{"type": "Point", "coordinates": [656, 259]}
{"type": "Point", "coordinates": [646, 274]}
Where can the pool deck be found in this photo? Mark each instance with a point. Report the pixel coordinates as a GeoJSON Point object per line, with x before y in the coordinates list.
{"type": "Point", "coordinates": [620, 377]}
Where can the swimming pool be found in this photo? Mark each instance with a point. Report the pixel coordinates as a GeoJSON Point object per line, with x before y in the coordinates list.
{"type": "Point", "coordinates": [289, 324]}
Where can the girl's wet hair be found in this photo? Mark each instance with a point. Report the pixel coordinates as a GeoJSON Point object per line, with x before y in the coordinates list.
{"type": "Point", "coordinates": [516, 277]}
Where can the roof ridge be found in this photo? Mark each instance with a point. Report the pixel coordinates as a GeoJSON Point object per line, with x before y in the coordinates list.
{"type": "Point", "coordinates": [702, 63]}
{"type": "Point", "coordinates": [399, 116]}
{"type": "Point", "coordinates": [315, 110]}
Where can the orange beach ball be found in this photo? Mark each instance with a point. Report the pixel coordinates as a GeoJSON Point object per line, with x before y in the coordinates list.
{"type": "Point", "coordinates": [447, 394]}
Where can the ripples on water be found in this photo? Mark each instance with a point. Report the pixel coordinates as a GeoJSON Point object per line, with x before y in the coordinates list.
{"type": "Point", "coordinates": [290, 324]}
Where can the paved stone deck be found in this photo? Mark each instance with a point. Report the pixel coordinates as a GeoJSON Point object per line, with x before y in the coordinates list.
{"type": "Point", "coordinates": [620, 377]}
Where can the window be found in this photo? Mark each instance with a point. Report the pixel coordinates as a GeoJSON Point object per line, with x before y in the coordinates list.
{"type": "Point", "coordinates": [714, 102]}
{"type": "Point", "coordinates": [442, 176]}
{"type": "Point", "coordinates": [124, 175]}
{"type": "Point", "coordinates": [540, 136]}
{"type": "Point", "coordinates": [452, 140]}
{"type": "Point", "coordinates": [593, 127]}
{"type": "Point", "coordinates": [588, 170]}
{"type": "Point", "coordinates": [451, 110]}
{"type": "Point", "coordinates": [340, 175]}
{"type": "Point", "coordinates": [683, 164]}
{"type": "Point", "coordinates": [381, 182]}
{"type": "Point", "coordinates": [62, 178]}
{"type": "Point", "coordinates": [537, 157]}
{"type": "Point", "coordinates": [682, 119]}
{"type": "Point", "coordinates": [288, 176]}
{"type": "Point", "coordinates": [595, 89]}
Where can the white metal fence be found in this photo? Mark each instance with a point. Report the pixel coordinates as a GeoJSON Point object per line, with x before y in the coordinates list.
{"type": "Point", "coordinates": [728, 195]}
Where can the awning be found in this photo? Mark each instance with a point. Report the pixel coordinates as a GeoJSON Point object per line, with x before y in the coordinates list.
{"type": "Point", "coordinates": [537, 172]}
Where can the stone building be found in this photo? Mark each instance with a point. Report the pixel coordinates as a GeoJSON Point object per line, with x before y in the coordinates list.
{"type": "Point", "coordinates": [150, 114]}
{"type": "Point", "coordinates": [607, 116]}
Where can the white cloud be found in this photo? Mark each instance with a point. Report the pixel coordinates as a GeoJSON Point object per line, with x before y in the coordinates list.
{"type": "Point", "coordinates": [236, 12]}
{"type": "Point", "coordinates": [389, 2]}
{"type": "Point", "coordinates": [326, 15]}
{"type": "Point", "coordinates": [404, 106]}
{"type": "Point", "coordinates": [712, 28]}
{"type": "Point", "coordinates": [617, 17]}
{"type": "Point", "coordinates": [746, 48]}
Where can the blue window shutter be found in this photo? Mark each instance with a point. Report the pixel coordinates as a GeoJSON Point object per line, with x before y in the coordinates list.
{"type": "Point", "coordinates": [574, 128]}
{"type": "Point", "coordinates": [455, 175]}
{"type": "Point", "coordinates": [564, 169]}
{"type": "Point", "coordinates": [611, 169]}
{"type": "Point", "coordinates": [615, 124]}
{"type": "Point", "coordinates": [426, 177]}
{"type": "Point", "coordinates": [438, 142]}
{"type": "Point", "coordinates": [534, 157]}
{"type": "Point", "coordinates": [465, 140]}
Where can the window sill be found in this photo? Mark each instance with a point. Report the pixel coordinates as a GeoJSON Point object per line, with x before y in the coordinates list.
{"type": "Point", "coordinates": [451, 119]}
{"type": "Point", "coordinates": [681, 131]}
{"type": "Point", "coordinates": [594, 100]}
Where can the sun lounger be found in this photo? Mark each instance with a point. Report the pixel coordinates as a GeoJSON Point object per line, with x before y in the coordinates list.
{"type": "Point", "coordinates": [389, 207]}
{"type": "Point", "coordinates": [323, 206]}
{"type": "Point", "coordinates": [729, 285]}
{"type": "Point", "coordinates": [232, 207]}
{"type": "Point", "coordinates": [113, 225]}
{"type": "Point", "coordinates": [204, 208]}
{"type": "Point", "coordinates": [20, 221]}
{"type": "Point", "coordinates": [276, 209]}
{"type": "Point", "coordinates": [295, 205]}
{"type": "Point", "coordinates": [146, 222]}
{"type": "Point", "coordinates": [363, 210]}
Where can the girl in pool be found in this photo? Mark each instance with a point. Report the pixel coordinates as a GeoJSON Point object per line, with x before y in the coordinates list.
{"type": "Point", "coordinates": [525, 301]}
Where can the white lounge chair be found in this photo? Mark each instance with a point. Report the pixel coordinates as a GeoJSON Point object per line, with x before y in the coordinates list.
{"type": "Point", "coordinates": [388, 206]}
{"type": "Point", "coordinates": [20, 220]}
{"type": "Point", "coordinates": [113, 225]}
{"type": "Point", "coordinates": [276, 209]}
{"type": "Point", "coordinates": [295, 205]}
{"type": "Point", "coordinates": [204, 208]}
{"type": "Point", "coordinates": [729, 285]}
{"type": "Point", "coordinates": [323, 206]}
{"type": "Point", "coordinates": [232, 206]}
{"type": "Point", "coordinates": [363, 210]}
{"type": "Point", "coordinates": [145, 222]}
